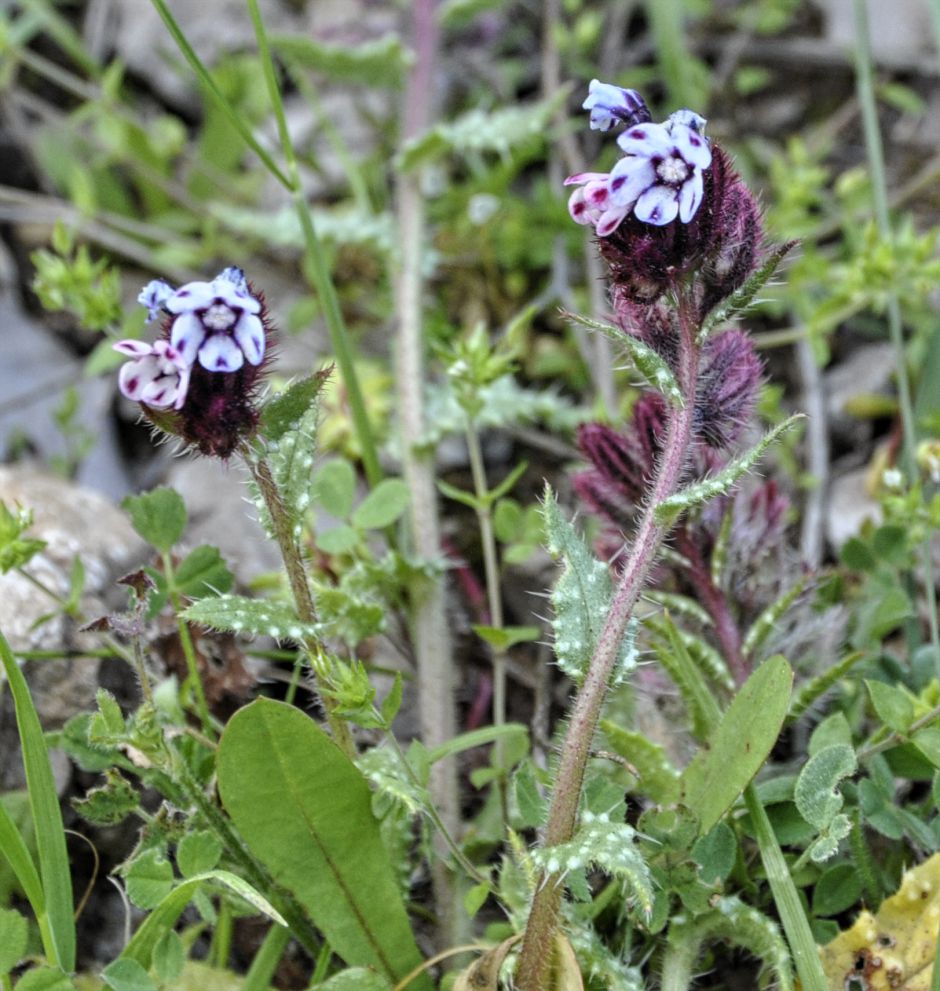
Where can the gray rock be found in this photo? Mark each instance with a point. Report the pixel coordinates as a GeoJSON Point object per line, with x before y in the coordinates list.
{"type": "Point", "coordinates": [74, 521]}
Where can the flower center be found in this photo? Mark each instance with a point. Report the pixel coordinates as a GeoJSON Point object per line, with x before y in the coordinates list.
{"type": "Point", "coordinates": [218, 317]}
{"type": "Point", "coordinates": [672, 170]}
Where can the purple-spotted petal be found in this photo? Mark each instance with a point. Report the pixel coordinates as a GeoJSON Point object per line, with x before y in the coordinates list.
{"type": "Point", "coordinates": [136, 349]}
{"type": "Point", "coordinates": [658, 206]}
{"type": "Point", "coordinates": [629, 178]}
{"type": "Point", "coordinates": [187, 336]}
{"type": "Point", "coordinates": [692, 146]}
{"type": "Point", "coordinates": [690, 197]}
{"type": "Point", "coordinates": [161, 392]}
{"type": "Point", "coordinates": [580, 213]}
{"type": "Point", "coordinates": [220, 353]}
{"type": "Point", "coordinates": [610, 220]}
{"type": "Point", "coordinates": [135, 376]}
{"type": "Point", "coordinates": [646, 140]}
{"type": "Point", "coordinates": [574, 180]}
{"type": "Point", "coordinates": [249, 335]}
{"type": "Point", "coordinates": [192, 296]}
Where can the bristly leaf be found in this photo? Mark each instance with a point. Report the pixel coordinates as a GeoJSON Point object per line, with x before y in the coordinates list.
{"type": "Point", "coordinates": [766, 623]}
{"type": "Point", "coordinates": [239, 614]}
{"type": "Point", "coordinates": [817, 797]}
{"type": "Point", "coordinates": [290, 457]}
{"type": "Point", "coordinates": [742, 299]}
{"type": "Point", "coordinates": [818, 686]}
{"type": "Point", "coordinates": [478, 132]}
{"type": "Point", "coordinates": [737, 923]}
{"type": "Point", "coordinates": [607, 845]}
{"type": "Point", "coordinates": [581, 598]}
{"type": "Point", "coordinates": [285, 411]}
{"type": "Point", "coordinates": [648, 362]}
{"type": "Point", "coordinates": [657, 777]}
{"type": "Point", "coordinates": [722, 482]}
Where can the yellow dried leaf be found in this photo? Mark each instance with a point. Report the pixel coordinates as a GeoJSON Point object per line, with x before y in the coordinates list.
{"type": "Point", "coordinates": [892, 950]}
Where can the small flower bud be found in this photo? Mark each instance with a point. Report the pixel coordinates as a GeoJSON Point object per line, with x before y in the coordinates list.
{"type": "Point", "coordinates": [727, 388]}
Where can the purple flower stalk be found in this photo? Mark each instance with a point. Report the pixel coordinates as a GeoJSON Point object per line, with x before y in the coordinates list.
{"type": "Point", "coordinates": [206, 366]}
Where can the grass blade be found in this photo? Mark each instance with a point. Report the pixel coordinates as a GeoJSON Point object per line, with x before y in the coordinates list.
{"type": "Point", "coordinates": [44, 803]}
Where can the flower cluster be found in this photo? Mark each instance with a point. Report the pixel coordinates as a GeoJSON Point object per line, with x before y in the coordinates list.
{"type": "Point", "coordinates": [198, 380]}
{"type": "Point", "coordinates": [660, 178]}
{"type": "Point", "coordinates": [671, 205]}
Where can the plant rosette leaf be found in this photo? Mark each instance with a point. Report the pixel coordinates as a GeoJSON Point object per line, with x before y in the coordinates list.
{"type": "Point", "coordinates": [306, 812]}
{"type": "Point", "coordinates": [739, 745]}
{"type": "Point", "coordinates": [159, 516]}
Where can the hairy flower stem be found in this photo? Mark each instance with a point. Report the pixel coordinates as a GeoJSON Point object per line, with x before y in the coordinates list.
{"type": "Point", "coordinates": [535, 961]}
{"type": "Point", "coordinates": [300, 589]}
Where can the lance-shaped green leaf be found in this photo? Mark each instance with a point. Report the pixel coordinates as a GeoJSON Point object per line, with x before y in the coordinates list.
{"type": "Point", "coordinates": [657, 374]}
{"type": "Point", "coordinates": [740, 744]}
{"type": "Point", "coordinates": [657, 776]}
{"type": "Point", "coordinates": [581, 597]}
{"type": "Point", "coordinates": [817, 687]}
{"type": "Point", "coordinates": [722, 482]}
{"type": "Point", "coordinates": [323, 843]}
{"type": "Point", "coordinates": [239, 614]}
{"type": "Point", "coordinates": [743, 297]}
{"type": "Point", "coordinates": [285, 411]}
{"type": "Point", "coordinates": [383, 61]}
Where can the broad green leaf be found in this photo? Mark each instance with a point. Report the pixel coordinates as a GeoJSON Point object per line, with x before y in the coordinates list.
{"type": "Point", "coordinates": [169, 957]}
{"type": "Point", "coordinates": [109, 803]}
{"type": "Point", "coordinates": [657, 777]}
{"type": "Point", "coordinates": [323, 845]}
{"type": "Point", "coordinates": [334, 486]}
{"type": "Point", "coordinates": [649, 363]}
{"type": "Point", "coordinates": [740, 744]}
{"type": "Point", "coordinates": [356, 979]}
{"type": "Point", "coordinates": [203, 572]}
{"type": "Point", "coordinates": [285, 410]}
{"type": "Point", "coordinates": [54, 868]}
{"type": "Point", "coordinates": [722, 482]}
{"type": "Point", "coordinates": [894, 707]}
{"type": "Point", "coordinates": [13, 932]}
{"type": "Point", "coordinates": [159, 516]}
{"type": "Point", "coordinates": [339, 540]}
{"type": "Point", "coordinates": [816, 793]}
{"type": "Point", "coordinates": [382, 506]}
{"type": "Point", "coordinates": [44, 979]}
{"type": "Point", "coordinates": [839, 888]}
{"type": "Point", "coordinates": [125, 974]}
{"type": "Point", "coordinates": [715, 853]}
{"type": "Point", "coordinates": [149, 879]}
{"type": "Point", "coordinates": [198, 852]}
{"type": "Point", "coordinates": [239, 614]}
{"type": "Point", "coordinates": [834, 728]}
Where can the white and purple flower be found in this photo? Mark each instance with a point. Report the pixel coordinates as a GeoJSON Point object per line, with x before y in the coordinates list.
{"type": "Point", "coordinates": [659, 180]}
{"type": "Point", "coordinates": [217, 323]}
{"type": "Point", "coordinates": [610, 105]}
{"type": "Point", "coordinates": [158, 376]}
